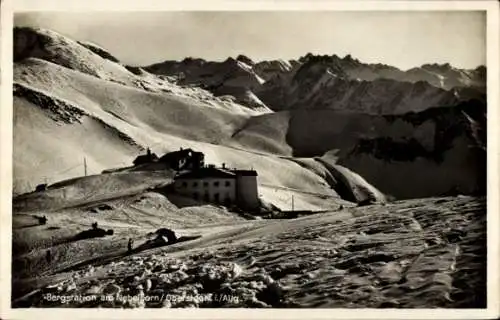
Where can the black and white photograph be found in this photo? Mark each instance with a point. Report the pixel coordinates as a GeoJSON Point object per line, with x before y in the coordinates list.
{"type": "Point", "coordinates": [284, 159]}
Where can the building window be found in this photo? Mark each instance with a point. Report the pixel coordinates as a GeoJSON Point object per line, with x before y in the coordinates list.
{"type": "Point", "coordinates": [228, 183]}
{"type": "Point", "coordinates": [216, 183]}
{"type": "Point", "coordinates": [207, 197]}
{"type": "Point", "coordinates": [195, 195]}
{"type": "Point", "coordinates": [205, 184]}
{"type": "Point", "coordinates": [184, 184]}
{"type": "Point", "coordinates": [216, 197]}
{"type": "Point", "coordinates": [195, 184]}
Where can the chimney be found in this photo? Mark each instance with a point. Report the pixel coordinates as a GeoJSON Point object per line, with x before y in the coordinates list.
{"type": "Point", "coordinates": [223, 165]}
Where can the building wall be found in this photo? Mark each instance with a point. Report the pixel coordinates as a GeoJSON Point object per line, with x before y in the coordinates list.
{"type": "Point", "coordinates": [247, 194]}
{"type": "Point", "coordinates": [208, 189]}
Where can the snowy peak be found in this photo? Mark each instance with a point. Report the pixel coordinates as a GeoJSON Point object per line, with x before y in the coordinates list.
{"type": "Point", "coordinates": [234, 77]}
{"type": "Point", "coordinates": [269, 69]}
{"type": "Point", "coordinates": [56, 48]}
{"type": "Point", "coordinates": [37, 50]}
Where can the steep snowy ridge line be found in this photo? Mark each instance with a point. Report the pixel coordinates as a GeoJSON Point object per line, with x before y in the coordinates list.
{"type": "Point", "coordinates": [92, 60]}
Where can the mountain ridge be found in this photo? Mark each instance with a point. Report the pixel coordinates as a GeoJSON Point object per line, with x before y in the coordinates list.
{"type": "Point", "coordinates": [314, 75]}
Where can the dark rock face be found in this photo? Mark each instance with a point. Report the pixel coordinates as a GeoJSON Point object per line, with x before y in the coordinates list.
{"type": "Point", "coordinates": [458, 146]}
{"type": "Point", "coordinates": [41, 187]}
{"type": "Point", "coordinates": [389, 150]}
{"type": "Point", "coordinates": [59, 110]}
{"type": "Point", "coordinates": [245, 60]}
{"type": "Point", "coordinates": [27, 42]}
{"type": "Point", "coordinates": [450, 123]}
{"type": "Point", "coordinates": [134, 70]}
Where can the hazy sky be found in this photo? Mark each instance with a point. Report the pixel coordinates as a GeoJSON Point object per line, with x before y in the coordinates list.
{"type": "Point", "coordinates": [402, 39]}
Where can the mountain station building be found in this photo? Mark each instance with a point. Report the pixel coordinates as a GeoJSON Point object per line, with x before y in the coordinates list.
{"type": "Point", "coordinates": [220, 185]}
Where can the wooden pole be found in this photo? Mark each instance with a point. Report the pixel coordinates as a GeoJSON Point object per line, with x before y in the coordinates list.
{"type": "Point", "coordinates": [85, 165]}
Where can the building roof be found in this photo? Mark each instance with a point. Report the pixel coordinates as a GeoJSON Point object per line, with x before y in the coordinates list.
{"type": "Point", "coordinates": [180, 154]}
{"type": "Point", "coordinates": [143, 158]}
{"type": "Point", "coordinates": [246, 173]}
{"type": "Point", "coordinates": [206, 172]}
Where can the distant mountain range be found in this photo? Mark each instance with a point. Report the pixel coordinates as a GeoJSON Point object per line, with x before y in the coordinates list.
{"type": "Point", "coordinates": [329, 82]}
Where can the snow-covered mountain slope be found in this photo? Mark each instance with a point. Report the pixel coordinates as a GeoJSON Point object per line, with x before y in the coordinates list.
{"type": "Point", "coordinates": [87, 104]}
{"type": "Point", "coordinates": [128, 120]}
{"type": "Point", "coordinates": [63, 115]}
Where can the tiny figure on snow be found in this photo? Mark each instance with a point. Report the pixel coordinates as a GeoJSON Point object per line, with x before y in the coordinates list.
{"type": "Point", "coordinates": [130, 244]}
